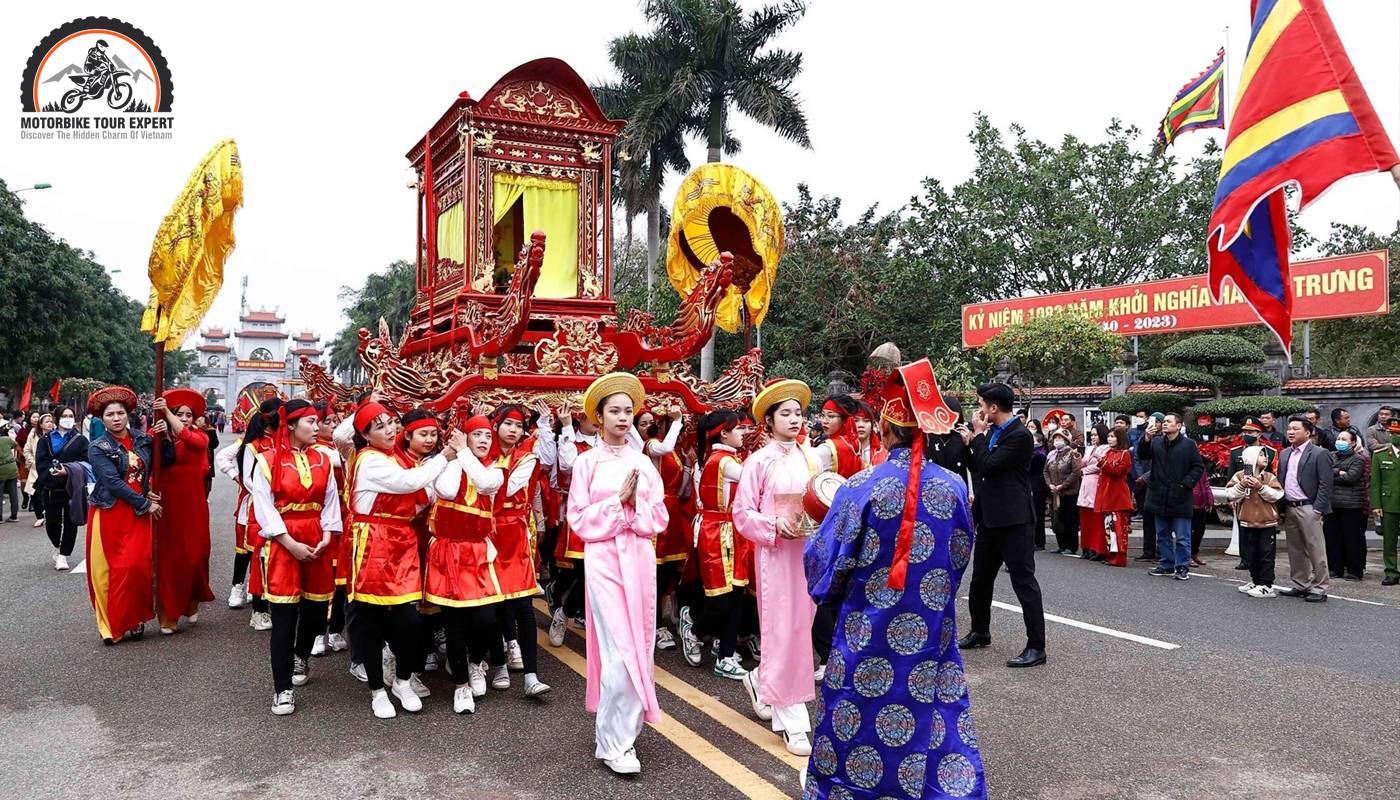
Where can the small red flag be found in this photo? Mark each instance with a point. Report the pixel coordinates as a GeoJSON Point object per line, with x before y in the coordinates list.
{"type": "Point", "coordinates": [53, 392]}
{"type": "Point", "coordinates": [24, 396]}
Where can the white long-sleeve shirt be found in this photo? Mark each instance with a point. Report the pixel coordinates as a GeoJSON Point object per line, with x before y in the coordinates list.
{"type": "Point", "coordinates": [381, 473]}
{"type": "Point", "coordinates": [656, 448]}
{"type": "Point", "coordinates": [226, 462]}
{"type": "Point", "coordinates": [486, 479]}
{"type": "Point", "coordinates": [265, 505]}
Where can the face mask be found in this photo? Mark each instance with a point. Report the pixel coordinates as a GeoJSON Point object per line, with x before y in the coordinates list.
{"type": "Point", "coordinates": [1250, 438]}
{"type": "Point", "coordinates": [1343, 447]}
{"type": "Point", "coordinates": [67, 423]}
{"type": "Point", "coordinates": [1061, 444]}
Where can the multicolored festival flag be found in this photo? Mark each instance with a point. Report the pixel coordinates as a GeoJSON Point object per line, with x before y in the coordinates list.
{"type": "Point", "coordinates": [1301, 117]}
{"type": "Point", "coordinates": [1199, 104]}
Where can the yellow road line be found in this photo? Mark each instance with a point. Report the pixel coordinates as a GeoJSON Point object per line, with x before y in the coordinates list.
{"type": "Point", "coordinates": [750, 729]}
{"type": "Point", "coordinates": [750, 783]}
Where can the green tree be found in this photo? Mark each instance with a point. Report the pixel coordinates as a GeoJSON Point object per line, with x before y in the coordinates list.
{"type": "Point", "coordinates": [389, 294]}
{"type": "Point", "coordinates": [1357, 346]}
{"type": "Point", "coordinates": [1216, 361]}
{"type": "Point", "coordinates": [63, 318]}
{"type": "Point", "coordinates": [1063, 348]}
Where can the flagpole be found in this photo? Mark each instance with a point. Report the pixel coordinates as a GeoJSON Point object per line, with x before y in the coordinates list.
{"type": "Point", "coordinates": [1225, 84]}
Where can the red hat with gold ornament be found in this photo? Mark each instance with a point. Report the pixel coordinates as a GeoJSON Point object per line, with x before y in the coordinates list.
{"type": "Point", "coordinates": [913, 400]}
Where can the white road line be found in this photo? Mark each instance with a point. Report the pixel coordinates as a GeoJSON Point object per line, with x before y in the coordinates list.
{"type": "Point", "coordinates": [1074, 623]}
{"type": "Point", "coordinates": [1354, 600]}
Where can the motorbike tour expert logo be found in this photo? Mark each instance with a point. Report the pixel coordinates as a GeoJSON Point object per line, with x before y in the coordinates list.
{"type": "Point", "coordinates": [96, 78]}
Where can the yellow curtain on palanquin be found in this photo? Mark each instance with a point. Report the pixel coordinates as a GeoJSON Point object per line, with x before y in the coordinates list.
{"type": "Point", "coordinates": [186, 266]}
{"type": "Point", "coordinates": [550, 206]}
{"type": "Point", "coordinates": [451, 227]}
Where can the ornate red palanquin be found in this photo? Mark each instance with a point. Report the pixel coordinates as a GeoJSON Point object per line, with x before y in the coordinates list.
{"type": "Point", "coordinates": [482, 330]}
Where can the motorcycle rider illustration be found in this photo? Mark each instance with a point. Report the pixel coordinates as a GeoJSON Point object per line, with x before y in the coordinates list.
{"type": "Point", "coordinates": [97, 65]}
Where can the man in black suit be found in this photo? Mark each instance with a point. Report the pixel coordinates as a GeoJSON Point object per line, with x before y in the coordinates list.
{"type": "Point", "coordinates": [1000, 449]}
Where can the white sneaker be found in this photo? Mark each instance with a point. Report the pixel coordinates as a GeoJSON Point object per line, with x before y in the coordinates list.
{"type": "Point", "coordinates": [798, 743]}
{"type": "Point", "coordinates": [500, 678]}
{"type": "Point", "coordinates": [625, 764]}
{"type": "Point", "coordinates": [534, 687]}
{"type": "Point", "coordinates": [261, 621]}
{"type": "Point", "coordinates": [379, 702]}
{"type": "Point", "coordinates": [514, 660]}
{"type": "Point", "coordinates": [60, 563]}
{"type": "Point", "coordinates": [419, 688]}
{"type": "Point", "coordinates": [283, 704]}
{"type": "Point", "coordinates": [819, 674]}
{"type": "Point", "coordinates": [318, 647]}
{"type": "Point", "coordinates": [357, 671]}
{"type": "Point", "coordinates": [301, 671]}
{"type": "Point", "coordinates": [690, 646]}
{"type": "Point", "coordinates": [237, 596]}
{"type": "Point", "coordinates": [462, 700]}
{"type": "Point", "coordinates": [1262, 591]}
{"type": "Point", "coordinates": [164, 631]}
{"type": "Point", "coordinates": [430, 663]}
{"type": "Point", "coordinates": [336, 642]}
{"type": "Point", "coordinates": [558, 624]}
{"type": "Point", "coordinates": [38, 523]}
{"type": "Point", "coordinates": [730, 668]}
{"type": "Point", "coordinates": [755, 650]}
{"type": "Point", "coordinates": [664, 639]}
{"type": "Point", "coordinates": [403, 690]}
{"type": "Point", "coordinates": [193, 618]}
{"type": "Point", "coordinates": [760, 709]}
{"type": "Point", "coordinates": [476, 676]}
{"type": "Point", "coordinates": [1245, 588]}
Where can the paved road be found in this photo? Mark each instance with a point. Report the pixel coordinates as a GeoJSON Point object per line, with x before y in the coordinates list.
{"type": "Point", "coordinates": [1276, 697]}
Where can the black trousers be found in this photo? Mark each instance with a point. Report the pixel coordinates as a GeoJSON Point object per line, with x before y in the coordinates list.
{"type": "Point", "coordinates": [1149, 522]}
{"type": "Point", "coordinates": [1198, 529]}
{"type": "Point", "coordinates": [62, 529]}
{"type": "Point", "coordinates": [823, 629]}
{"type": "Point", "coordinates": [1263, 547]}
{"type": "Point", "coordinates": [10, 488]}
{"type": "Point", "coordinates": [1345, 533]}
{"type": "Point", "coordinates": [517, 617]}
{"type": "Point", "coordinates": [337, 623]}
{"type": "Point", "coordinates": [1067, 523]}
{"type": "Point", "coordinates": [372, 625]}
{"type": "Point", "coordinates": [295, 627]}
{"type": "Point", "coordinates": [468, 638]}
{"type": "Point", "coordinates": [668, 576]}
{"type": "Point", "coordinates": [722, 618]}
{"type": "Point", "coordinates": [1041, 500]}
{"type": "Point", "coordinates": [240, 567]}
{"type": "Point", "coordinates": [1010, 546]}
{"type": "Point", "coordinates": [568, 589]}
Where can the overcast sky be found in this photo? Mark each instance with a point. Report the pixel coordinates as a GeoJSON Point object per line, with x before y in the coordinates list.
{"type": "Point", "coordinates": [324, 102]}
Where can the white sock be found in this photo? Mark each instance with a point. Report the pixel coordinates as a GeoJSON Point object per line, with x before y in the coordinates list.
{"type": "Point", "coordinates": [530, 678]}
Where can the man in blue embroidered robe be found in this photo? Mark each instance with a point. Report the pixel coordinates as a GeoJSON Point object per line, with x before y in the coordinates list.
{"type": "Point", "coordinates": [895, 715]}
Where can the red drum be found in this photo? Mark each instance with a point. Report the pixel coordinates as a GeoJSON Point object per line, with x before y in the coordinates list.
{"type": "Point", "coordinates": [820, 491]}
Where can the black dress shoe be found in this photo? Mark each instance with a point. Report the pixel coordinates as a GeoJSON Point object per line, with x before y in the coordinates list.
{"type": "Point", "coordinates": [1028, 658]}
{"type": "Point", "coordinates": [974, 640]}
{"type": "Point", "coordinates": [1242, 565]}
{"type": "Point", "coordinates": [1145, 557]}
{"type": "Point", "coordinates": [1390, 581]}
{"type": "Point", "coordinates": [1315, 597]}
{"type": "Point", "coordinates": [1289, 591]}
{"type": "Point", "coordinates": [1350, 577]}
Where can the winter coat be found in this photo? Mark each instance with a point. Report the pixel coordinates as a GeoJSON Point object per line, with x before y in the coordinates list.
{"type": "Point", "coordinates": [1176, 466]}
{"type": "Point", "coordinates": [1348, 480]}
{"type": "Point", "coordinates": [1114, 492]}
{"type": "Point", "coordinates": [1062, 469]}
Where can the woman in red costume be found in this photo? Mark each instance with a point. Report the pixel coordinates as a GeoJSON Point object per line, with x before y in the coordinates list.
{"type": "Point", "coordinates": [120, 512]}
{"type": "Point", "coordinates": [182, 533]}
{"type": "Point", "coordinates": [837, 453]}
{"type": "Point", "coordinates": [513, 540]}
{"type": "Point", "coordinates": [673, 545]}
{"type": "Point", "coordinates": [386, 581]}
{"type": "Point", "coordinates": [724, 557]}
{"type": "Point", "coordinates": [1114, 496]}
{"type": "Point", "coordinates": [296, 505]}
{"type": "Point", "coordinates": [868, 446]}
{"type": "Point", "coordinates": [237, 461]}
{"type": "Point", "coordinates": [327, 420]}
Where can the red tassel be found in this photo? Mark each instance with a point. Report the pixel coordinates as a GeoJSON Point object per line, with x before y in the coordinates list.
{"type": "Point", "coordinates": [904, 542]}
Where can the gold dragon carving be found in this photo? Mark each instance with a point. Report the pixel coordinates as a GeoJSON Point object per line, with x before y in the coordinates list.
{"type": "Point", "coordinates": [576, 348]}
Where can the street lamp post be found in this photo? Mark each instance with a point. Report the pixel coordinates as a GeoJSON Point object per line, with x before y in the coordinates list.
{"type": "Point", "coordinates": [35, 186]}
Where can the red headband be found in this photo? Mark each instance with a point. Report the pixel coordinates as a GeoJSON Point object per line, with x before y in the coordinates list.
{"type": "Point", "coordinates": [367, 414]}
{"type": "Point", "coordinates": [723, 429]}
{"type": "Point", "coordinates": [830, 405]}
{"type": "Point", "coordinates": [304, 411]}
{"type": "Point", "coordinates": [423, 422]}
{"type": "Point", "coordinates": [477, 423]}
{"type": "Point", "coordinates": [514, 414]}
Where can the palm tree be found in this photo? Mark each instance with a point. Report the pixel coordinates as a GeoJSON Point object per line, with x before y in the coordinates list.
{"type": "Point", "coordinates": [718, 56]}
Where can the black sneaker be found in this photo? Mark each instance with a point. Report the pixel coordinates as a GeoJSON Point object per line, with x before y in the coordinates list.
{"type": "Point", "coordinates": [1161, 571]}
{"type": "Point", "coordinates": [1145, 557]}
{"type": "Point", "coordinates": [1182, 574]}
